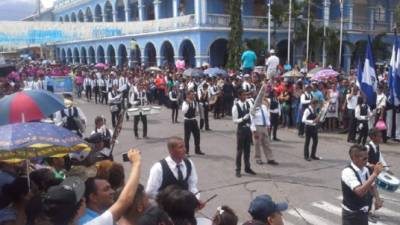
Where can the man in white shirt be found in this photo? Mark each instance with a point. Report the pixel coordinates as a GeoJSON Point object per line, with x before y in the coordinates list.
{"type": "Point", "coordinates": [358, 187]}
{"type": "Point", "coordinates": [305, 100]}
{"type": "Point", "coordinates": [114, 98]}
{"type": "Point", "coordinates": [351, 100]}
{"type": "Point", "coordinates": [381, 109]}
{"type": "Point", "coordinates": [189, 109]}
{"type": "Point", "coordinates": [175, 169]}
{"type": "Point", "coordinates": [272, 64]}
{"type": "Point", "coordinates": [311, 119]}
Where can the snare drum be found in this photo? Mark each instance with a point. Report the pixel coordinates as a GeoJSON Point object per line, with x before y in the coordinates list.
{"type": "Point", "coordinates": [133, 112]}
{"type": "Point", "coordinates": [146, 111]}
{"type": "Point", "coordinates": [155, 109]}
{"type": "Point", "coordinates": [387, 182]}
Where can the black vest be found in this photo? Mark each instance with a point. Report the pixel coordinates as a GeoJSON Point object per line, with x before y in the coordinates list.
{"type": "Point", "coordinates": [363, 110]}
{"type": "Point", "coordinates": [306, 97]}
{"type": "Point", "coordinates": [274, 103]}
{"type": "Point", "coordinates": [191, 113]}
{"type": "Point", "coordinates": [174, 94]}
{"type": "Point", "coordinates": [242, 113]}
{"type": "Point", "coordinates": [140, 97]}
{"type": "Point", "coordinates": [373, 157]}
{"type": "Point", "coordinates": [168, 177]}
{"type": "Point", "coordinates": [350, 199]}
{"type": "Point", "coordinates": [312, 114]}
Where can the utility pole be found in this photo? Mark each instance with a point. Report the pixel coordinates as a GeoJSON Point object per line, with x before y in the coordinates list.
{"type": "Point", "coordinates": [308, 33]}
{"type": "Point", "coordinates": [269, 2]}
{"type": "Point", "coordinates": [289, 31]}
{"type": "Point", "coordinates": [341, 35]}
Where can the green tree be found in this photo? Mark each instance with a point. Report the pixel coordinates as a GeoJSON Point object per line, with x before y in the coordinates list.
{"type": "Point", "coordinates": [235, 35]}
{"type": "Point", "coordinates": [397, 16]}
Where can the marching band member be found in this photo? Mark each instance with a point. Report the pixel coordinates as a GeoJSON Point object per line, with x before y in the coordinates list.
{"type": "Point", "coordinates": [305, 100]}
{"type": "Point", "coordinates": [174, 100]}
{"type": "Point", "coordinates": [114, 99]}
{"type": "Point", "coordinates": [362, 114]}
{"type": "Point", "coordinates": [190, 123]}
{"type": "Point", "coordinates": [88, 87]}
{"type": "Point", "coordinates": [123, 86]}
{"type": "Point", "coordinates": [275, 113]}
{"type": "Point", "coordinates": [100, 127]}
{"type": "Point", "coordinates": [311, 119]}
{"type": "Point", "coordinates": [241, 116]}
{"type": "Point", "coordinates": [139, 99]}
{"type": "Point", "coordinates": [203, 96]}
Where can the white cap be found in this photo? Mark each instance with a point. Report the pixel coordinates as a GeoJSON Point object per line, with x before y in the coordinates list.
{"type": "Point", "coordinates": [272, 51]}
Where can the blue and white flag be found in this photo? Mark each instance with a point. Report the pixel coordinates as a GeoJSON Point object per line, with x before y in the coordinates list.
{"type": "Point", "coordinates": [392, 71]}
{"type": "Point", "coordinates": [367, 80]}
{"type": "Point", "coordinates": [394, 79]}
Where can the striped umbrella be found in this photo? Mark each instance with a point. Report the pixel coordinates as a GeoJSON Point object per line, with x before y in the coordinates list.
{"type": "Point", "coordinates": [26, 106]}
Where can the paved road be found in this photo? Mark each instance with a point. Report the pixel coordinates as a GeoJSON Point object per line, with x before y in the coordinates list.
{"type": "Point", "coordinates": [311, 188]}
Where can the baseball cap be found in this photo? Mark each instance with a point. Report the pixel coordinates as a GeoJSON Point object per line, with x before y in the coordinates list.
{"type": "Point", "coordinates": [68, 193]}
{"type": "Point", "coordinates": [262, 207]}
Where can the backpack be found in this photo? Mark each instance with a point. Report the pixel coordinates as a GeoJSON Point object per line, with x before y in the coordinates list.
{"type": "Point", "coordinates": [70, 122]}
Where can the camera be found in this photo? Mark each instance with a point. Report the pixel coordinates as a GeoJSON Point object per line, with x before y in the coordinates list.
{"type": "Point", "coordinates": [125, 157]}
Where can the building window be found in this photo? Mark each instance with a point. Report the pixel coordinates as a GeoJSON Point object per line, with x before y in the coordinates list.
{"type": "Point", "coordinates": [380, 14]}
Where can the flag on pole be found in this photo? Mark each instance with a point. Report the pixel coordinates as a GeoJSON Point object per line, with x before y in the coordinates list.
{"type": "Point", "coordinates": [395, 77]}
{"type": "Point", "coordinates": [367, 77]}
{"type": "Point", "coordinates": [392, 70]}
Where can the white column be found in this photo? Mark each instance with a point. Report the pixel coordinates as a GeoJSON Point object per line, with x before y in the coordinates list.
{"type": "Point", "coordinates": [203, 11]}
{"type": "Point", "coordinates": [157, 4]}
{"type": "Point", "coordinates": [371, 16]}
{"type": "Point", "coordinates": [175, 6]}
{"type": "Point", "coordinates": [114, 14]}
{"type": "Point", "coordinates": [197, 11]}
{"type": "Point", "coordinates": [140, 9]}
{"type": "Point", "coordinates": [127, 13]}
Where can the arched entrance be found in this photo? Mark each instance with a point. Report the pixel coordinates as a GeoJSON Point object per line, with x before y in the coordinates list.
{"type": "Point", "coordinates": [81, 17]}
{"type": "Point", "coordinates": [73, 17]}
{"type": "Point", "coordinates": [150, 55]}
{"type": "Point", "coordinates": [167, 53]}
{"type": "Point", "coordinates": [63, 57]}
{"type": "Point", "coordinates": [108, 11]}
{"type": "Point", "coordinates": [69, 56]}
{"type": "Point", "coordinates": [76, 55]}
{"type": "Point", "coordinates": [188, 52]}
{"type": "Point", "coordinates": [111, 55]}
{"type": "Point", "coordinates": [66, 18]}
{"type": "Point", "coordinates": [120, 9]}
{"type": "Point", "coordinates": [123, 55]}
{"type": "Point", "coordinates": [89, 15]}
{"type": "Point", "coordinates": [98, 15]}
{"type": "Point", "coordinates": [219, 53]}
{"type": "Point", "coordinates": [100, 54]}
{"type": "Point", "coordinates": [92, 55]}
{"type": "Point", "coordinates": [83, 56]}
{"type": "Point", "coordinates": [61, 19]}
{"type": "Point", "coordinates": [281, 51]}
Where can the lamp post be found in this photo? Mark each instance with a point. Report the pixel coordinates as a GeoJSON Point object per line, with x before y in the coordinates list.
{"type": "Point", "coordinates": [269, 3]}
{"type": "Point", "coordinates": [341, 35]}
{"type": "Point", "coordinates": [308, 33]}
{"type": "Point", "coordinates": [289, 31]}
{"type": "Point", "coordinates": [134, 47]}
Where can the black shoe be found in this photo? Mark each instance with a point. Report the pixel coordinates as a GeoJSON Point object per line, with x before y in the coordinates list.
{"type": "Point", "coordinates": [200, 153]}
{"type": "Point", "coordinates": [259, 161]}
{"type": "Point", "coordinates": [250, 171]}
{"type": "Point", "coordinates": [273, 162]}
{"type": "Point", "coordinates": [308, 159]}
{"type": "Point", "coordinates": [145, 137]}
{"type": "Point", "coordinates": [277, 139]}
{"type": "Point", "coordinates": [238, 174]}
{"type": "Point", "coordinates": [208, 129]}
{"type": "Point", "coordinates": [316, 157]}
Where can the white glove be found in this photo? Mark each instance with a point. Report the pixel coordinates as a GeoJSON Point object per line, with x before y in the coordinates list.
{"type": "Point", "coordinates": [247, 116]}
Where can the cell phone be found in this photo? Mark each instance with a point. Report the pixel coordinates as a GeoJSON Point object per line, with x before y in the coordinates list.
{"type": "Point", "coordinates": [125, 157]}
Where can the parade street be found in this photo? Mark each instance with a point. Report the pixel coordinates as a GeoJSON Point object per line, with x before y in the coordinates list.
{"type": "Point", "coordinates": [312, 189]}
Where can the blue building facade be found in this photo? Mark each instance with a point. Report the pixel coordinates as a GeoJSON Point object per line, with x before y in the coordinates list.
{"type": "Point", "coordinates": [197, 30]}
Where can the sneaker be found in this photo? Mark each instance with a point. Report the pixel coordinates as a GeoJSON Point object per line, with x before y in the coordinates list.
{"type": "Point", "coordinates": [273, 162]}
{"type": "Point", "coordinates": [250, 171]}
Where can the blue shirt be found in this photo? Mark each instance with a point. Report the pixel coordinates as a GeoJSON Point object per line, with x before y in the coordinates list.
{"type": "Point", "coordinates": [249, 59]}
{"type": "Point", "coordinates": [49, 81]}
{"type": "Point", "coordinates": [318, 95]}
{"type": "Point", "coordinates": [89, 215]}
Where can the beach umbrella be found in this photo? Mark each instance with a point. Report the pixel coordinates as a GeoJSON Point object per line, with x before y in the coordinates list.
{"type": "Point", "coordinates": [100, 66]}
{"type": "Point", "coordinates": [153, 69]}
{"type": "Point", "coordinates": [180, 64]}
{"type": "Point", "coordinates": [193, 72]}
{"type": "Point", "coordinates": [212, 72]}
{"type": "Point", "coordinates": [324, 74]}
{"type": "Point", "coordinates": [32, 105]}
{"type": "Point", "coordinates": [24, 141]}
{"type": "Point", "coordinates": [313, 71]}
{"type": "Point", "coordinates": [293, 73]}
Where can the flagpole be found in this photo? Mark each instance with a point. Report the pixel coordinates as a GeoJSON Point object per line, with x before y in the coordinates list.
{"type": "Point", "coordinates": [269, 2]}
{"type": "Point", "coordinates": [341, 35]}
{"type": "Point", "coordinates": [324, 41]}
{"type": "Point", "coordinates": [308, 33]}
{"type": "Point", "coordinates": [289, 31]}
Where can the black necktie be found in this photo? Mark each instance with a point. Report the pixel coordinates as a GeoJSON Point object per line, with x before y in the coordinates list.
{"type": "Point", "coordinates": [180, 175]}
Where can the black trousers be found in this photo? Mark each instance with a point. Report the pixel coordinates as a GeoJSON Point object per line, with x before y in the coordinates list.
{"type": "Point", "coordinates": [204, 122]}
{"type": "Point", "coordinates": [311, 133]}
{"type": "Point", "coordinates": [274, 124]}
{"type": "Point", "coordinates": [96, 94]}
{"type": "Point", "coordinates": [161, 96]}
{"type": "Point", "coordinates": [175, 110]}
{"type": "Point", "coordinates": [363, 133]}
{"type": "Point", "coordinates": [352, 125]}
{"type": "Point", "coordinates": [354, 218]}
{"type": "Point", "coordinates": [243, 141]}
{"type": "Point", "coordinates": [88, 90]}
{"type": "Point", "coordinates": [104, 95]}
{"type": "Point", "coordinates": [136, 119]}
{"type": "Point", "coordinates": [300, 127]}
{"type": "Point", "coordinates": [191, 127]}
{"type": "Point", "coordinates": [50, 88]}
{"type": "Point", "coordinates": [114, 118]}
{"type": "Point", "coordinates": [228, 103]}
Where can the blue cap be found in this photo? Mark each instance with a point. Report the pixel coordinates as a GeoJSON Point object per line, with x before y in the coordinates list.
{"type": "Point", "coordinates": [262, 207]}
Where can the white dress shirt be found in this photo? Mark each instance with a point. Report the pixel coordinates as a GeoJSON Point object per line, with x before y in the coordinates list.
{"type": "Point", "coordinates": [358, 113]}
{"type": "Point", "coordinates": [303, 100]}
{"type": "Point", "coordinates": [235, 112]}
{"type": "Point", "coordinates": [58, 119]}
{"type": "Point", "coordinates": [155, 178]}
{"type": "Point", "coordinates": [351, 101]}
{"type": "Point", "coordinates": [114, 100]}
{"type": "Point", "coordinates": [171, 98]}
{"type": "Point", "coordinates": [246, 86]}
{"type": "Point", "coordinates": [306, 113]}
{"type": "Point", "coordinates": [381, 159]}
{"type": "Point", "coordinates": [381, 101]}
{"type": "Point", "coordinates": [350, 179]}
{"type": "Point", "coordinates": [258, 120]}
{"type": "Point", "coordinates": [185, 108]}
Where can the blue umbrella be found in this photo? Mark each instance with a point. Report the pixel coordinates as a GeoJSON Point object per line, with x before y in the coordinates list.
{"type": "Point", "coordinates": [212, 72]}
{"type": "Point", "coordinates": [193, 72]}
{"type": "Point", "coordinates": [31, 140]}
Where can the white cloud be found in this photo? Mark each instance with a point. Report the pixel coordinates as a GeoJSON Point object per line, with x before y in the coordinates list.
{"type": "Point", "coordinates": [45, 3]}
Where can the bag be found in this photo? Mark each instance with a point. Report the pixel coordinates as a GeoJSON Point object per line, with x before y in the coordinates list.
{"type": "Point", "coordinates": [380, 125]}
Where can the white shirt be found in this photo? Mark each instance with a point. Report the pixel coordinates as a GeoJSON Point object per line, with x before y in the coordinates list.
{"type": "Point", "coordinates": [171, 98]}
{"type": "Point", "coordinates": [381, 159]}
{"type": "Point", "coordinates": [303, 100]}
{"type": "Point", "coordinates": [257, 119]}
{"type": "Point", "coordinates": [58, 117]}
{"type": "Point", "coordinates": [306, 113]}
{"type": "Point", "coordinates": [155, 178]}
{"type": "Point", "coordinates": [381, 101]}
{"type": "Point", "coordinates": [358, 113]}
{"type": "Point", "coordinates": [114, 100]}
{"type": "Point", "coordinates": [101, 82]}
{"type": "Point", "coordinates": [185, 108]}
{"type": "Point", "coordinates": [235, 112]}
{"type": "Point", "coordinates": [246, 86]}
{"type": "Point", "coordinates": [123, 83]}
{"type": "Point", "coordinates": [106, 218]}
{"type": "Point", "coordinates": [350, 179]}
{"type": "Point", "coordinates": [351, 101]}
{"type": "Point", "coordinates": [272, 63]}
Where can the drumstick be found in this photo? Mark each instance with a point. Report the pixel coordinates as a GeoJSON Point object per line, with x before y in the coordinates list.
{"type": "Point", "coordinates": [211, 198]}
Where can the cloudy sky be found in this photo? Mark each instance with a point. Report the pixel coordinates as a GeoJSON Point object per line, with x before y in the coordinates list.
{"type": "Point", "coordinates": [18, 9]}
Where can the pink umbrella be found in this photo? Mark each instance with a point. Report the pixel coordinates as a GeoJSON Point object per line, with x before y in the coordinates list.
{"type": "Point", "coordinates": [180, 64]}
{"type": "Point", "coordinates": [324, 74]}
{"type": "Point", "coordinates": [100, 65]}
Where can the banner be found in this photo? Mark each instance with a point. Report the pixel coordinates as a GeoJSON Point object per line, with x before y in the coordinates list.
{"type": "Point", "coordinates": [63, 84]}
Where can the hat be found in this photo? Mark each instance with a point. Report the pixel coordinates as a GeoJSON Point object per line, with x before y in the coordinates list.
{"type": "Point", "coordinates": [68, 193]}
{"type": "Point", "coordinates": [262, 207]}
{"type": "Point", "coordinates": [272, 51]}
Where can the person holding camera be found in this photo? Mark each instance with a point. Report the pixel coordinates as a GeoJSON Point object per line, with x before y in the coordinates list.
{"type": "Point", "coordinates": [115, 100]}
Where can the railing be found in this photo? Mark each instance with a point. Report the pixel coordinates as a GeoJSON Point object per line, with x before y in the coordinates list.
{"type": "Point", "coordinates": [222, 20]}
